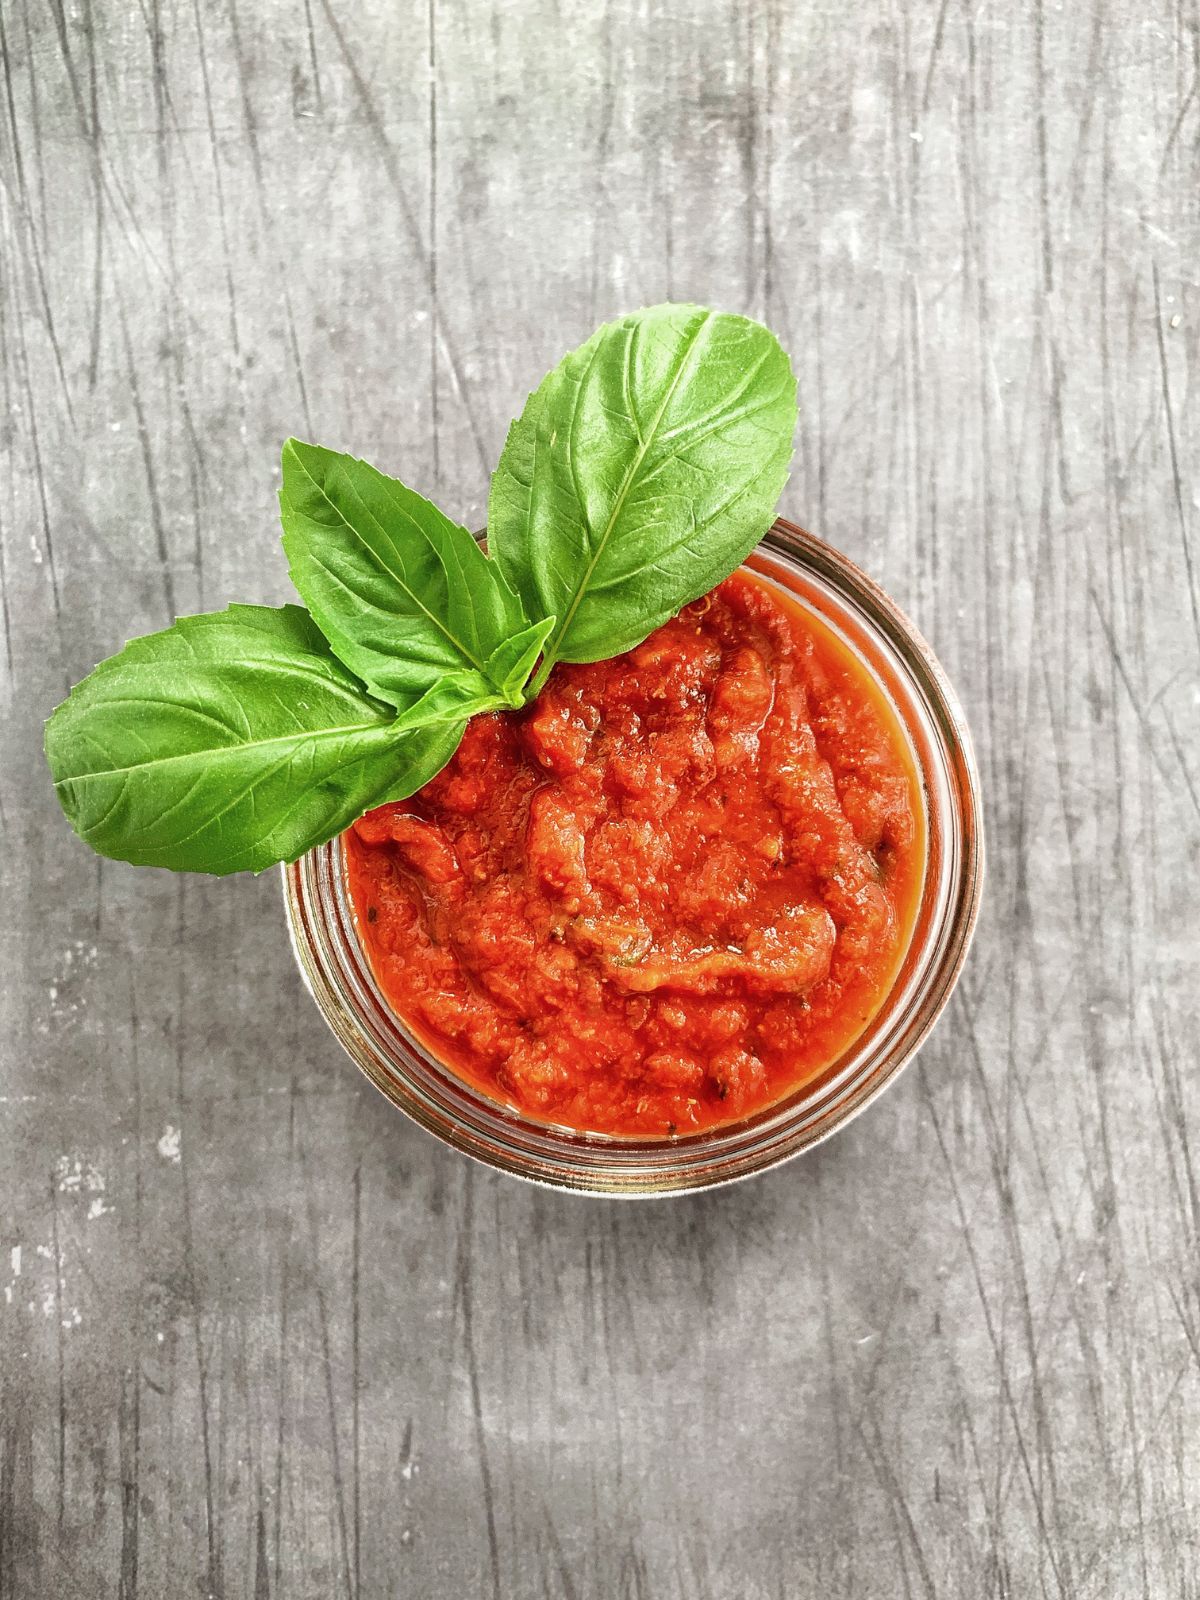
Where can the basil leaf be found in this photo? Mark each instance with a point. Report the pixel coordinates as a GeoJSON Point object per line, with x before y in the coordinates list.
{"type": "Point", "coordinates": [641, 472]}
{"type": "Point", "coordinates": [458, 694]}
{"type": "Point", "coordinates": [228, 743]}
{"type": "Point", "coordinates": [404, 595]}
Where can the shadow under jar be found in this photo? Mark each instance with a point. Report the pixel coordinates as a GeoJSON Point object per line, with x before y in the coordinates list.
{"type": "Point", "coordinates": [334, 963]}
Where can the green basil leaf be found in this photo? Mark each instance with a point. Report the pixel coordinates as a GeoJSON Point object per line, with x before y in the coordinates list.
{"type": "Point", "coordinates": [459, 694]}
{"type": "Point", "coordinates": [641, 472]}
{"type": "Point", "coordinates": [511, 663]}
{"type": "Point", "coordinates": [228, 743]}
{"type": "Point", "coordinates": [404, 595]}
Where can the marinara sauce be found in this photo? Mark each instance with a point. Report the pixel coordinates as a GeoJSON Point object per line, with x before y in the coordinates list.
{"type": "Point", "coordinates": [670, 891]}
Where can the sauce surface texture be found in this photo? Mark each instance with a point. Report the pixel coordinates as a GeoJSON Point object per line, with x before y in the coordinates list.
{"type": "Point", "coordinates": [670, 891]}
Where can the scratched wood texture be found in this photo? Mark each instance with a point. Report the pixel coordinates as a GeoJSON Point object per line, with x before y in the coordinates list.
{"type": "Point", "coordinates": [258, 1335]}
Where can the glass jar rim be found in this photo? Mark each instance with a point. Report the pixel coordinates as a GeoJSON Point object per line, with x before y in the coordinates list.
{"type": "Point", "coordinates": [337, 973]}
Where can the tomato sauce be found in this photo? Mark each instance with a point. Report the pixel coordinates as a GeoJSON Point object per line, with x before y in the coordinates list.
{"type": "Point", "coordinates": [666, 894]}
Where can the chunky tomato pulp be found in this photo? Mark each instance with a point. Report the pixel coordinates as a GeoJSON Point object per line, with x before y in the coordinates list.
{"type": "Point", "coordinates": [670, 891]}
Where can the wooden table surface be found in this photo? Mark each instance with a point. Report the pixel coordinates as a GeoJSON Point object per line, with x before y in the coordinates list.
{"type": "Point", "coordinates": [259, 1336]}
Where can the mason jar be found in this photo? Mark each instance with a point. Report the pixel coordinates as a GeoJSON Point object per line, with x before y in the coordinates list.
{"type": "Point", "coordinates": [338, 975]}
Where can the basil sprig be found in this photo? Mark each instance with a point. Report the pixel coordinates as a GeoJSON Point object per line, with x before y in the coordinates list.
{"type": "Point", "coordinates": [640, 473]}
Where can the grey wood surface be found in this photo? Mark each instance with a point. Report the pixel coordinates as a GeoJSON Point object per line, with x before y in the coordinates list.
{"type": "Point", "coordinates": [258, 1335]}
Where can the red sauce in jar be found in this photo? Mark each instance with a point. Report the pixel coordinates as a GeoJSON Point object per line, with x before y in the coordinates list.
{"type": "Point", "coordinates": [666, 894]}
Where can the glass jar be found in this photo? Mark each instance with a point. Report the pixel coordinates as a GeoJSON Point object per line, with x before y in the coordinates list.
{"type": "Point", "coordinates": [338, 975]}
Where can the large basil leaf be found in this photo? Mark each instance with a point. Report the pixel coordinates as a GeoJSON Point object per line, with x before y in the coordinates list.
{"type": "Point", "coordinates": [229, 742]}
{"type": "Point", "coordinates": [405, 596]}
{"type": "Point", "coordinates": [643, 469]}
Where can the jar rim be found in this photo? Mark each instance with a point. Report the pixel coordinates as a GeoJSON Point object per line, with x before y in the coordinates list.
{"type": "Point", "coordinates": [337, 972]}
